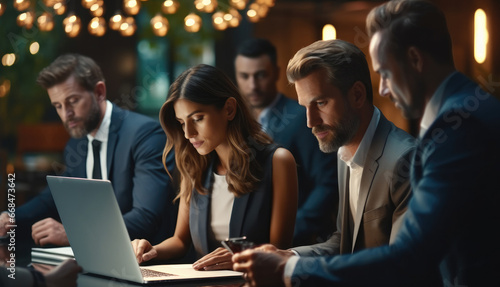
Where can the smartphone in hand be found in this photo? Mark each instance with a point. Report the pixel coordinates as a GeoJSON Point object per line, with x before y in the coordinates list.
{"type": "Point", "coordinates": [237, 244]}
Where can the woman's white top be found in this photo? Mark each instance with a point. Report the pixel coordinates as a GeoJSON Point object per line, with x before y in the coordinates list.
{"type": "Point", "coordinates": [221, 208]}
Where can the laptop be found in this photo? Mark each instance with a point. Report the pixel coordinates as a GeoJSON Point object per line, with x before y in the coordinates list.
{"type": "Point", "coordinates": [100, 241]}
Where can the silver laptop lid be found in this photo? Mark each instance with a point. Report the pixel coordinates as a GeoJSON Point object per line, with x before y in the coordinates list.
{"type": "Point", "coordinates": [104, 247]}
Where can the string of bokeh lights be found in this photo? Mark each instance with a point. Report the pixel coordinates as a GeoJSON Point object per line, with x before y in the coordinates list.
{"type": "Point", "coordinates": [226, 14]}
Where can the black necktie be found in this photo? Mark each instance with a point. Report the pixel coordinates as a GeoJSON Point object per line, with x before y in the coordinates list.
{"type": "Point", "coordinates": [96, 147]}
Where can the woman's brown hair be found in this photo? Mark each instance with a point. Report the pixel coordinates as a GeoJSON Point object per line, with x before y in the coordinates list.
{"type": "Point", "coordinates": [207, 85]}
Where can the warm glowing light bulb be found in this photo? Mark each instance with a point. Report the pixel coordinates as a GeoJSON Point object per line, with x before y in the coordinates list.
{"type": "Point", "coordinates": [116, 21]}
{"type": "Point", "coordinates": [45, 22]}
{"type": "Point", "coordinates": [88, 3]}
{"type": "Point", "coordinates": [252, 14]}
{"type": "Point", "coordinates": [59, 8]}
{"type": "Point", "coordinates": [481, 36]}
{"type": "Point", "coordinates": [4, 88]}
{"type": "Point", "coordinates": [233, 18]}
{"type": "Point", "coordinates": [97, 26]}
{"type": "Point", "coordinates": [192, 23]}
{"type": "Point", "coordinates": [329, 32]}
{"type": "Point", "coordinates": [21, 5]}
{"type": "Point", "coordinates": [34, 48]}
{"type": "Point", "coordinates": [262, 10]}
{"type": "Point", "coordinates": [160, 25]}
{"type": "Point", "coordinates": [8, 59]}
{"type": "Point", "coordinates": [207, 6]}
{"type": "Point", "coordinates": [170, 6]}
{"type": "Point", "coordinates": [72, 25]}
{"type": "Point", "coordinates": [128, 27]}
{"type": "Point", "coordinates": [97, 9]}
{"type": "Point", "coordinates": [238, 4]}
{"type": "Point", "coordinates": [218, 21]}
{"type": "Point", "coordinates": [2, 8]}
{"type": "Point", "coordinates": [26, 19]}
{"type": "Point", "coordinates": [131, 7]}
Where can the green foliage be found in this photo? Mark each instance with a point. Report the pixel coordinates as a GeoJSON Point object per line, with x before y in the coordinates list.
{"type": "Point", "coordinates": [26, 102]}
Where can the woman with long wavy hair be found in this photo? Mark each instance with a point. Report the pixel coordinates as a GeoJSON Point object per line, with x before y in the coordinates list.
{"type": "Point", "coordinates": [234, 181]}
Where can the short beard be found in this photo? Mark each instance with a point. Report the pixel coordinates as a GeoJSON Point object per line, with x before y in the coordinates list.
{"type": "Point", "coordinates": [342, 133]}
{"type": "Point", "coordinates": [89, 124]}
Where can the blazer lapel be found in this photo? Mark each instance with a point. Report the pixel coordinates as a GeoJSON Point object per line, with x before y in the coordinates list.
{"type": "Point", "coordinates": [117, 116]}
{"type": "Point", "coordinates": [370, 170]}
{"type": "Point", "coordinates": [199, 208]}
{"type": "Point", "coordinates": [450, 95]}
{"type": "Point", "coordinates": [346, 230]}
{"type": "Point", "coordinates": [78, 153]}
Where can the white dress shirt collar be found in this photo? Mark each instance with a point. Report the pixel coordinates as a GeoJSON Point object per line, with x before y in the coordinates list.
{"type": "Point", "coordinates": [102, 136]}
{"type": "Point", "coordinates": [361, 153]}
{"type": "Point", "coordinates": [103, 131]}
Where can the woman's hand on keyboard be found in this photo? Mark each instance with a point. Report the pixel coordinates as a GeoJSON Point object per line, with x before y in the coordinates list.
{"type": "Point", "coordinates": [143, 250]}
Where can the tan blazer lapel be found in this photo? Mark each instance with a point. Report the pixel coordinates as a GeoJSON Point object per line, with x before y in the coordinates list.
{"type": "Point", "coordinates": [370, 171]}
{"type": "Point", "coordinates": [346, 238]}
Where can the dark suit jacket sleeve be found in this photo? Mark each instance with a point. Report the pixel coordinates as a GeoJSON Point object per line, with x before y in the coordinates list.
{"type": "Point", "coordinates": [42, 206]}
{"type": "Point", "coordinates": [400, 190]}
{"type": "Point", "coordinates": [443, 201]}
{"type": "Point", "coordinates": [329, 247]}
{"type": "Point", "coordinates": [38, 208]}
{"type": "Point", "coordinates": [151, 184]}
{"type": "Point", "coordinates": [317, 172]}
{"type": "Point", "coordinates": [319, 179]}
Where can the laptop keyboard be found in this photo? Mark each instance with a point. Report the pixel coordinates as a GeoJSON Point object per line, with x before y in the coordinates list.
{"type": "Point", "coordinates": [153, 273]}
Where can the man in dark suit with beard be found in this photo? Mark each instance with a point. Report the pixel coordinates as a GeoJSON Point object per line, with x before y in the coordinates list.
{"type": "Point", "coordinates": [106, 142]}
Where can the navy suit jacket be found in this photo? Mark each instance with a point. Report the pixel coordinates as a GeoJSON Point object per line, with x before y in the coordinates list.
{"type": "Point", "coordinates": [317, 172]}
{"type": "Point", "coordinates": [143, 189]}
{"type": "Point", "coordinates": [446, 232]}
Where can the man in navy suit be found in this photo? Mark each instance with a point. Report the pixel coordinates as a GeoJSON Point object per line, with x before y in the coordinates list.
{"type": "Point", "coordinates": [283, 119]}
{"type": "Point", "coordinates": [445, 236]}
{"type": "Point", "coordinates": [129, 154]}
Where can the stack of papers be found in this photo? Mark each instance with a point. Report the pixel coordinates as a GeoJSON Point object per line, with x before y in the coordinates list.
{"type": "Point", "coordinates": [51, 256]}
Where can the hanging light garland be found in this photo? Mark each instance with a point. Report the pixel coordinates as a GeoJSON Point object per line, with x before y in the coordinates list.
{"type": "Point", "coordinates": [225, 14]}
